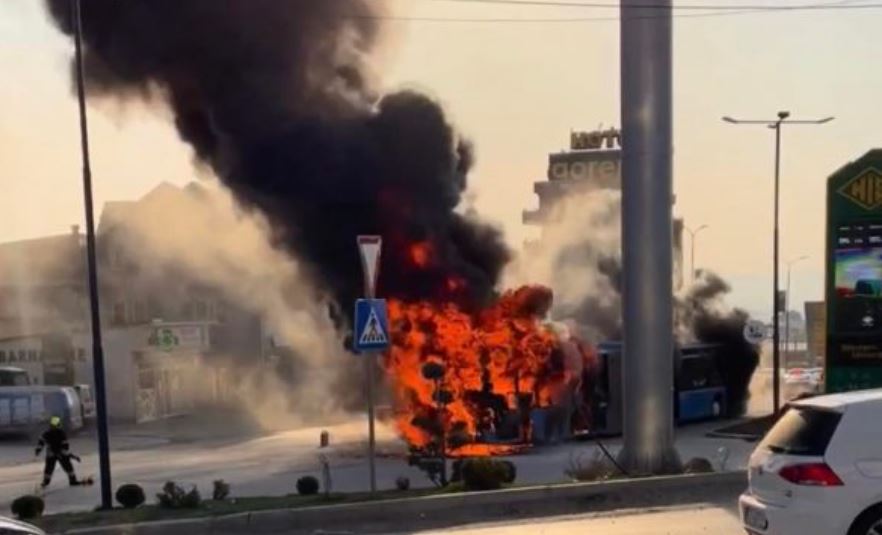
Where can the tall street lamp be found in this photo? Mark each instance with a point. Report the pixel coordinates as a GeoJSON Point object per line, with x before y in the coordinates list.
{"type": "Point", "coordinates": [787, 310]}
{"type": "Point", "coordinates": [97, 348]}
{"type": "Point", "coordinates": [692, 236]}
{"type": "Point", "coordinates": [775, 124]}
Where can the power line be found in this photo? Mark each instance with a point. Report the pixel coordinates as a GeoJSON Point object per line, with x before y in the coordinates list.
{"type": "Point", "coordinates": [740, 10]}
{"type": "Point", "coordinates": [676, 7]}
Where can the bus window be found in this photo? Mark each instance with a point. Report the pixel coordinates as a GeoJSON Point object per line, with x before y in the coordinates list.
{"type": "Point", "coordinates": [698, 372]}
{"type": "Point", "coordinates": [13, 377]}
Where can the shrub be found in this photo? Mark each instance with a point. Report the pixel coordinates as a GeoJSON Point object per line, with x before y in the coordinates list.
{"type": "Point", "coordinates": [483, 474]}
{"type": "Point", "coordinates": [307, 486]}
{"type": "Point", "coordinates": [174, 497]}
{"type": "Point", "coordinates": [698, 465]}
{"type": "Point", "coordinates": [221, 490]}
{"type": "Point", "coordinates": [402, 483]}
{"type": "Point", "coordinates": [432, 371]}
{"type": "Point", "coordinates": [130, 496]}
{"type": "Point", "coordinates": [28, 507]}
{"type": "Point", "coordinates": [192, 499]}
{"type": "Point", "coordinates": [456, 471]}
{"type": "Point", "coordinates": [511, 472]}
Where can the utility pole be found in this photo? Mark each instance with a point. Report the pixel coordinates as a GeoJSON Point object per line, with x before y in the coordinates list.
{"type": "Point", "coordinates": [692, 236]}
{"type": "Point", "coordinates": [647, 248]}
{"type": "Point", "coordinates": [94, 305]}
{"type": "Point", "coordinates": [775, 124]}
{"type": "Point", "coordinates": [787, 311]}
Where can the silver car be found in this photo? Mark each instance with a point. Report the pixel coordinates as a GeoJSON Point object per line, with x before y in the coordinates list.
{"type": "Point", "coordinates": [9, 526]}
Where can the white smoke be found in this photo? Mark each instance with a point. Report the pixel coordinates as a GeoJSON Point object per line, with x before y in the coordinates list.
{"type": "Point", "coordinates": [201, 234]}
{"type": "Point", "coordinates": [578, 256]}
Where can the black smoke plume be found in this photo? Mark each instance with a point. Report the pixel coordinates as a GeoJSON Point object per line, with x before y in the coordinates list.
{"type": "Point", "coordinates": [274, 96]}
{"type": "Point", "coordinates": [701, 312]}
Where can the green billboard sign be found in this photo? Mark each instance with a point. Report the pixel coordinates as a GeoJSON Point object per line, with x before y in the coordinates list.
{"type": "Point", "coordinates": [854, 275]}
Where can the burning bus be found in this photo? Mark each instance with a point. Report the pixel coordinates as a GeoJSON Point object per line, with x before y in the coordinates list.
{"type": "Point", "coordinates": [482, 382]}
{"type": "Point", "coordinates": [501, 379]}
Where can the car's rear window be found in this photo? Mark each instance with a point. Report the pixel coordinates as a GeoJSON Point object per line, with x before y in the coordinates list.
{"type": "Point", "coordinates": [802, 431]}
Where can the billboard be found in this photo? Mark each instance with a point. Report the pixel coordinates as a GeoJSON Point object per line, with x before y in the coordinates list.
{"type": "Point", "coordinates": [854, 275]}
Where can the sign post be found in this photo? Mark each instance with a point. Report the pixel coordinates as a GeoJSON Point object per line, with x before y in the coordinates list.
{"type": "Point", "coordinates": [371, 332]}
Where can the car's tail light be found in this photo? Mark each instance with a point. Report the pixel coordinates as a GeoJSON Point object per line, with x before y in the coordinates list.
{"type": "Point", "coordinates": [814, 474]}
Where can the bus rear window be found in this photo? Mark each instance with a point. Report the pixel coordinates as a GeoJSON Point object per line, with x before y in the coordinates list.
{"type": "Point", "coordinates": [13, 378]}
{"type": "Point", "coordinates": [802, 431]}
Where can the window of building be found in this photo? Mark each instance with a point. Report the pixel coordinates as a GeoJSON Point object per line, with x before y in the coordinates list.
{"type": "Point", "coordinates": [119, 314]}
{"type": "Point", "coordinates": [32, 355]}
{"type": "Point", "coordinates": [22, 355]}
{"type": "Point", "coordinates": [2, 356]}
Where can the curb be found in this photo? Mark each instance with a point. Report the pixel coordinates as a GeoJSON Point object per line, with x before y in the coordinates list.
{"type": "Point", "coordinates": [447, 510]}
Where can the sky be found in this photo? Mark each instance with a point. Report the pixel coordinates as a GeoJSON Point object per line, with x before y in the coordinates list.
{"type": "Point", "coordinates": [516, 89]}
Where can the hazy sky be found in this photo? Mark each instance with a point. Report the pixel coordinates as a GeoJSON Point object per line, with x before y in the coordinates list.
{"type": "Point", "coordinates": [517, 89]}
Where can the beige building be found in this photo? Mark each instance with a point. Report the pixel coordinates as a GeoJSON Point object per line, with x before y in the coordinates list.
{"type": "Point", "coordinates": [164, 333]}
{"type": "Point", "coordinates": [592, 163]}
{"type": "Point", "coordinates": [157, 369]}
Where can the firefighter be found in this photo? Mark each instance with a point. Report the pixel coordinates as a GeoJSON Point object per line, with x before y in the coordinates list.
{"type": "Point", "coordinates": [57, 447]}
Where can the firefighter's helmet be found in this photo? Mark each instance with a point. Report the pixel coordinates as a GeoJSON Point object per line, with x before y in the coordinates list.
{"type": "Point", "coordinates": [55, 421]}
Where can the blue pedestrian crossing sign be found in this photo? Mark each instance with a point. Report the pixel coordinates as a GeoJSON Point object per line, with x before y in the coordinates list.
{"type": "Point", "coordinates": [371, 325]}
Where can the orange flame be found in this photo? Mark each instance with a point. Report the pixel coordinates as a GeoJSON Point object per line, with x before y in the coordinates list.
{"type": "Point", "coordinates": [455, 284]}
{"type": "Point", "coordinates": [421, 253]}
{"type": "Point", "coordinates": [502, 352]}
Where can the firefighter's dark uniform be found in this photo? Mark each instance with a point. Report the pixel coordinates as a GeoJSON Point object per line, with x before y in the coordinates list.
{"type": "Point", "coordinates": [57, 447]}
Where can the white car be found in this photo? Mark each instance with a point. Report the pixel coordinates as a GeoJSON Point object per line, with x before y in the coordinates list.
{"type": "Point", "coordinates": [818, 471]}
{"type": "Point", "coordinates": [9, 526]}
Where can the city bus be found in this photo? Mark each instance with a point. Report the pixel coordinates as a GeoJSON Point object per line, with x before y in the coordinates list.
{"type": "Point", "coordinates": [699, 391]}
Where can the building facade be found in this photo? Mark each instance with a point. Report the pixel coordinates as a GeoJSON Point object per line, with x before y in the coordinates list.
{"type": "Point", "coordinates": [592, 163]}
{"type": "Point", "coordinates": [168, 337]}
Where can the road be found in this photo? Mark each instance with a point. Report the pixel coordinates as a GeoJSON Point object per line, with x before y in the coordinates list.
{"type": "Point", "coordinates": [268, 464]}
{"type": "Point", "coordinates": [704, 520]}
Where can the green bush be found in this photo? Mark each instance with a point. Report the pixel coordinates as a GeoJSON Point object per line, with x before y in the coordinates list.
{"type": "Point", "coordinates": [484, 474]}
{"type": "Point", "coordinates": [130, 496]}
{"type": "Point", "coordinates": [192, 499]}
{"type": "Point", "coordinates": [402, 483]}
{"type": "Point", "coordinates": [28, 507]}
{"type": "Point", "coordinates": [174, 497]}
{"type": "Point", "coordinates": [511, 472]}
{"type": "Point", "coordinates": [221, 490]}
{"type": "Point", "coordinates": [307, 486]}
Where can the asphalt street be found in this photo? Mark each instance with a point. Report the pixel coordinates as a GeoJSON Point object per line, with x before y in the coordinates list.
{"type": "Point", "coordinates": [693, 520]}
{"type": "Point", "coordinates": [268, 464]}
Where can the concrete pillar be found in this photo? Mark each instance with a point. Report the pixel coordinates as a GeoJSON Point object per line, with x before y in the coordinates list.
{"type": "Point", "coordinates": [648, 366]}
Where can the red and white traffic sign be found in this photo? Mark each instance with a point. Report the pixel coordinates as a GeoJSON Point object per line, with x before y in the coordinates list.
{"type": "Point", "coordinates": [369, 247]}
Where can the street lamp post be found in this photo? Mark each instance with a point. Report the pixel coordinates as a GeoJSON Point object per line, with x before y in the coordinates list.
{"type": "Point", "coordinates": [692, 236]}
{"type": "Point", "coordinates": [97, 347]}
{"type": "Point", "coordinates": [787, 310]}
{"type": "Point", "coordinates": [775, 124]}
